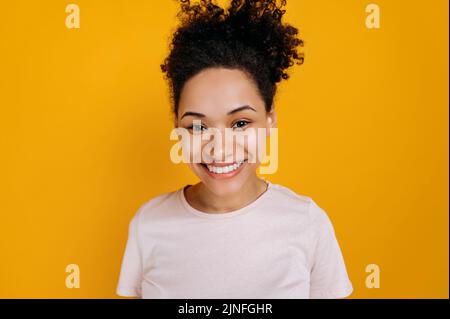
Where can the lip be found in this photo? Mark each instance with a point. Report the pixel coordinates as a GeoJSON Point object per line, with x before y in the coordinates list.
{"type": "Point", "coordinates": [223, 176]}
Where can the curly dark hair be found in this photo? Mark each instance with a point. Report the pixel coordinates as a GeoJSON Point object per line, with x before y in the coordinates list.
{"type": "Point", "coordinates": [249, 36]}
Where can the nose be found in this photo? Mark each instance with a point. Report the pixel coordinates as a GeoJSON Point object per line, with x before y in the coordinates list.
{"type": "Point", "coordinates": [223, 147]}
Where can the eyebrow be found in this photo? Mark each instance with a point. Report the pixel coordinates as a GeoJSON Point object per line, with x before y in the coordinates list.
{"type": "Point", "coordinates": [239, 109]}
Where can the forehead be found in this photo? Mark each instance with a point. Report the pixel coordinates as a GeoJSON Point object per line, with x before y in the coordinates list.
{"type": "Point", "coordinates": [218, 90]}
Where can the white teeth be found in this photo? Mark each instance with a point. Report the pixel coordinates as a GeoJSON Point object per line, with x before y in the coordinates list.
{"type": "Point", "coordinates": [225, 169]}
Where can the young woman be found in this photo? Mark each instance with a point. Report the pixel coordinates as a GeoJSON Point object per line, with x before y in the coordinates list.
{"type": "Point", "coordinates": [233, 234]}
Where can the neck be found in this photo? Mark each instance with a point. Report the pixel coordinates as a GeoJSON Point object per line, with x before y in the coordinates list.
{"type": "Point", "coordinates": [203, 199]}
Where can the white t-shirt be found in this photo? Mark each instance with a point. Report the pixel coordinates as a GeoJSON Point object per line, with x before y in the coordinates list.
{"type": "Point", "coordinates": [282, 245]}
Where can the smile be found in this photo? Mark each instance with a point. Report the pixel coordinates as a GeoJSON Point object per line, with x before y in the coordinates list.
{"type": "Point", "coordinates": [223, 171]}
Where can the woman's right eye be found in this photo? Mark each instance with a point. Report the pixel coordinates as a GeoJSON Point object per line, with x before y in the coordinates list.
{"type": "Point", "coordinates": [197, 128]}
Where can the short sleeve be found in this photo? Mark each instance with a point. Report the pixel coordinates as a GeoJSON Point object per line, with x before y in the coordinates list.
{"type": "Point", "coordinates": [328, 277]}
{"type": "Point", "coordinates": [129, 284]}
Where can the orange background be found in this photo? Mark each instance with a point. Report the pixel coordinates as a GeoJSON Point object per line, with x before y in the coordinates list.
{"type": "Point", "coordinates": [85, 122]}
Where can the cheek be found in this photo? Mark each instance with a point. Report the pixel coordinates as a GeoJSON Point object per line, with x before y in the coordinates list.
{"type": "Point", "coordinates": [253, 144]}
{"type": "Point", "coordinates": [192, 148]}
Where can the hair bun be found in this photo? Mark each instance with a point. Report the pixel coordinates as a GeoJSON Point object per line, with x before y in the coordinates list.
{"type": "Point", "coordinates": [254, 23]}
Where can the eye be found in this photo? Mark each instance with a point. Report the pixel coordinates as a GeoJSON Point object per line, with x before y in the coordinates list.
{"type": "Point", "coordinates": [241, 124]}
{"type": "Point", "coordinates": [197, 128]}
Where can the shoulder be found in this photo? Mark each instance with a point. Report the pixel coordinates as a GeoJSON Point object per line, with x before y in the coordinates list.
{"type": "Point", "coordinates": [300, 202]}
{"type": "Point", "coordinates": [156, 202]}
{"type": "Point", "coordinates": [286, 196]}
{"type": "Point", "coordinates": [154, 205]}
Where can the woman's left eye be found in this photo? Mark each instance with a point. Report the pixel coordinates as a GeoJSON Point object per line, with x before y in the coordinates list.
{"type": "Point", "coordinates": [240, 124]}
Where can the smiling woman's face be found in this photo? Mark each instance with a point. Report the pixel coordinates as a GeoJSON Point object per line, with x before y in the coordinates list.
{"type": "Point", "coordinates": [224, 98]}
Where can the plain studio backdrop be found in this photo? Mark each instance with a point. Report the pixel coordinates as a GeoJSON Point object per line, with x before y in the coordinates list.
{"type": "Point", "coordinates": [85, 122]}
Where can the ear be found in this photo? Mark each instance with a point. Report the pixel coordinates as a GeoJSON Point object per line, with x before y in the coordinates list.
{"type": "Point", "coordinates": [271, 120]}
